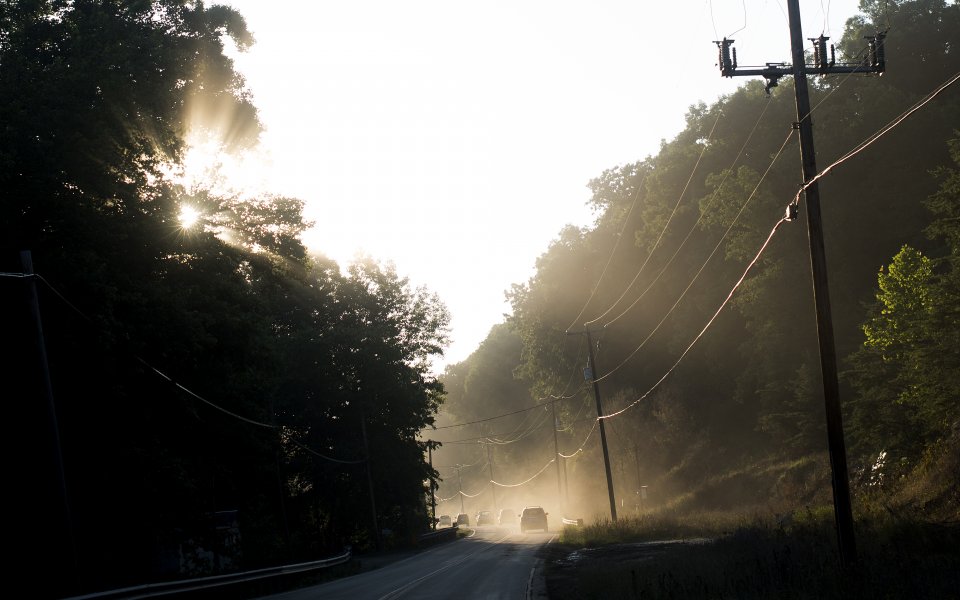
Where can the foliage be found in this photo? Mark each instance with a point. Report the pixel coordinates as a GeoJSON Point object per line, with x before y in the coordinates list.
{"type": "Point", "coordinates": [673, 235]}
{"type": "Point", "coordinates": [193, 371]}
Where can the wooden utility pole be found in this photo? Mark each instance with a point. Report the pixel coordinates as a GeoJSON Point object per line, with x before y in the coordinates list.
{"type": "Point", "coordinates": [373, 503]}
{"type": "Point", "coordinates": [823, 64]}
{"type": "Point", "coordinates": [53, 426]}
{"type": "Point", "coordinates": [591, 376]}
{"type": "Point", "coordinates": [433, 498]}
{"type": "Point", "coordinates": [460, 484]}
{"type": "Point", "coordinates": [556, 457]}
{"type": "Point", "coordinates": [493, 486]}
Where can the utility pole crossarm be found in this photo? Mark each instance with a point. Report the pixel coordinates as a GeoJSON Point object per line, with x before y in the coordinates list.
{"type": "Point", "coordinates": [824, 62]}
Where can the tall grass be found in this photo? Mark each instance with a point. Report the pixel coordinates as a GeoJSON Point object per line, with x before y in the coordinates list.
{"type": "Point", "coordinates": [907, 534]}
{"type": "Point", "coordinates": [898, 558]}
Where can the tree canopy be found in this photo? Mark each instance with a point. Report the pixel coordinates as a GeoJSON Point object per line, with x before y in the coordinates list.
{"type": "Point", "coordinates": [676, 231]}
{"type": "Point", "coordinates": [195, 372]}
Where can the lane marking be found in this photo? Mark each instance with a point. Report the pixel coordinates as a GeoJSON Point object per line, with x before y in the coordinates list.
{"type": "Point", "coordinates": [408, 586]}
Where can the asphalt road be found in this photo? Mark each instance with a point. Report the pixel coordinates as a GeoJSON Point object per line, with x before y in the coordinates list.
{"type": "Point", "coordinates": [494, 563]}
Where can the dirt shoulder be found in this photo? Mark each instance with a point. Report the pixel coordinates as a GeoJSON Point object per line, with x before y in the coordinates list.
{"type": "Point", "coordinates": [568, 569]}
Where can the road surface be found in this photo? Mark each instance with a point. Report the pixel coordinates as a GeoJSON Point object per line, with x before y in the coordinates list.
{"type": "Point", "coordinates": [493, 563]}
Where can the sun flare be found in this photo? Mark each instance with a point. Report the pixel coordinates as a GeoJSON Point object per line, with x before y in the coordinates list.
{"type": "Point", "coordinates": [189, 216]}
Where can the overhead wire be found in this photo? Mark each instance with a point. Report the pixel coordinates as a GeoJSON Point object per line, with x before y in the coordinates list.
{"type": "Point", "coordinates": [666, 225]}
{"type": "Point", "coordinates": [882, 131]}
{"type": "Point", "coordinates": [705, 327]}
{"type": "Point", "coordinates": [515, 412]}
{"type": "Point", "coordinates": [733, 164]}
{"type": "Point", "coordinates": [522, 423]}
{"type": "Point", "coordinates": [533, 428]}
{"type": "Point", "coordinates": [616, 244]}
{"type": "Point", "coordinates": [859, 148]}
{"type": "Point", "coordinates": [705, 262]}
{"type": "Point", "coordinates": [576, 419]}
{"type": "Point", "coordinates": [513, 485]}
{"type": "Point", "coordinates": [573, 375]}
{"type": "Point", "coordinates": [744, 21]}
{"type": "Point", "coordinates": [584, 443]}
{"type": "Point", "coordinates": [190, 392]}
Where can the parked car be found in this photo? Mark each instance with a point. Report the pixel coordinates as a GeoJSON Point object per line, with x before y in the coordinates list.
{"type": "Point", "coordinates": [507, 516]}
{"type": "Point", "coordinates": [463, 519]}
{"type": "Point", "coordinates": [485, 517]}
{"type": "Point", "coordinates": [533, 517]}
{"type": "Point", "coordinates": [445, 521]}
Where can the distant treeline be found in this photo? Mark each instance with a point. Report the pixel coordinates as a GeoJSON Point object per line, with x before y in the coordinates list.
{"type": "Point", "coordinates": [673, 235]}
{"type": "Point", "coordinates": [214, 392]}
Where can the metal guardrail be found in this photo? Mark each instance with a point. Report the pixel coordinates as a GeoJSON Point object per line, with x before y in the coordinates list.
{"type": "Point", "coordinates": [438, 535]}
{"type": "Point", "coordinates": [574, 522]}
{"type": "Point", "coordinates": [172, 588]}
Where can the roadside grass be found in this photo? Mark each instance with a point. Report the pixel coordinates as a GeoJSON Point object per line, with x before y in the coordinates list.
{"type": "Point", "coordinates": [898, 558]}
{"type": "Point", "coordinates": [907, 533]}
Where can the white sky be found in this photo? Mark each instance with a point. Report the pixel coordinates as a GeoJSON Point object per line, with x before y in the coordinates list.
{"type": "Point", "coordinates": [455, 139]}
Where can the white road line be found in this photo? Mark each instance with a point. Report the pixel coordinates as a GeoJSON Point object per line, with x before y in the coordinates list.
{"type": "Point", "coordinates": [406, 587]}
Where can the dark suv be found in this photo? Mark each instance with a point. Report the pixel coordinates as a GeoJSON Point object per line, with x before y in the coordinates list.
{"type": "Point", "coordinates": [533, 517]}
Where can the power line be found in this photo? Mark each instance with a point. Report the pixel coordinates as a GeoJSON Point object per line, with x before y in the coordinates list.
{"type": "Point", "coordinates": [527, 433]}
{"type": "Point", "coordinates": [705, 262]}
{"type": "Point", "coordinates": [616, 244]}
{"type": "Point", "coordinates": [857, 149]}
{"type": "Point", "coordinates": [185, 389]}
{"type": "Point", "coordinates": [705, 327]}
{"type": "Point", "coordinates": [666, 225]}
{"type": "Point", "coordinates": [881, 132]}
{"type": "Point", "coordinates": [743, 148]}
{"type": "Point", "coordinates": [516, 412]}
{"type": "Point", "coordinates": [580, 449]}
{"type": "Point", "coordinates": [513, 485]}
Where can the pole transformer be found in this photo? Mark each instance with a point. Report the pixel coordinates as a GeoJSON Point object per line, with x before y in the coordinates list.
{"type": "Point", "coordinates": [824, 64]}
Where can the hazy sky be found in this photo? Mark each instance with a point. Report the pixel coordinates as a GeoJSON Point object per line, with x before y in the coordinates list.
{"type": "Point", "coordinates": [455, 139]}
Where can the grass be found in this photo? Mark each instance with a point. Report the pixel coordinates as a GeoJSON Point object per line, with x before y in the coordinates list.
{"type": "Point", "coordinates": [907, 537]}
{"type": "Point", "coordinates": [897, 559]}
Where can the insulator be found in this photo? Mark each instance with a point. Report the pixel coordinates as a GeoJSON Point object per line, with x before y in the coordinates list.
{"type": "Point", "coordinates": [727, 65]}
{"type": "Point", "coordinates": [879, 55]}
{"type": "Point", "coordinates": [821, 52]}
{"type": "Point", "coordinates": [791, 212]}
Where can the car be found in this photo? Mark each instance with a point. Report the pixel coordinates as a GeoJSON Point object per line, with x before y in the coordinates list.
{"type": "Point", "coordinates": [463, 519]}
{"type": "Point", "coordinates": [445, 521]}
{"type": "Point", "coordinates": [507, 516]}
{"type": "Point", "coordinates": [485, 517]}
{"type": "Point", "coordinates": [533, 517]}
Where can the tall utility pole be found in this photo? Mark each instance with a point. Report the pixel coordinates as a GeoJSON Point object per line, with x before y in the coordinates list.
{"type": "Point", "coordinates": [823, 65]}
{"type": "Point", "coordinates": [592, 377]}
{"type": "Point", "coordinates": [556, 457]}
{"type": "Point", "coordinates": [53, 427]}
{"type": "Point", "coordinates": [373, 502]}
{"type": "Point", "coordinates": [493, 486]}
{"type": "Point", "coordinates": [433, 498]}
{"type": "Point", "coordinates": [460, 484]}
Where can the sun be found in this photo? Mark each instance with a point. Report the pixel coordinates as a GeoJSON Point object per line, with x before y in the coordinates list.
{"type": "Point", "coordinates": [189, 216]}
